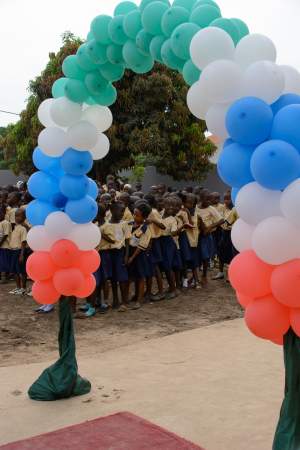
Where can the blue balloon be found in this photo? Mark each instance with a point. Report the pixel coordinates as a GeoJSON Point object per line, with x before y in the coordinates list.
{"type": "Point", "coordinates": [228, 142]}
{"type": "Point", "coordinates": [249, 121]}
{"type": "Point", "coordinates": [275, 164]}
{"type": "Point", "coordinates": [46, 163]}
{"type": "Point", "coordinates": [75, 163]}
{"type": "Point", "coordinates": [38, 211]}
{"type": "Point", "coordinates": [93, 189]}
{"type": "Point", "coordinates": [285, 100]}
{"type": "Point", "coordinates": [43, 186]}
{"type": "Point", "coordinates": [74, 187]}
{"type": "Point", "coordinates": [59, 201]}
{"type": "Point", "coordinates": [234, 193]}
{"type": "Point", "coordinates": [286, 125]}
{"type": "Point", "coordinates": [83, 210]}
{"type": "Point", "coordinates": [234, 165]}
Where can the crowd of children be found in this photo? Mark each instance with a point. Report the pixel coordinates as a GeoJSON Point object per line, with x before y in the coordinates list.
{"type": "Point", "coordinates": [164, 239]}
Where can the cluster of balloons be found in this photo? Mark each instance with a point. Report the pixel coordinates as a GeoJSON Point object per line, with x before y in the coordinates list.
{"type": "Point", "coordinates": [64, 270]}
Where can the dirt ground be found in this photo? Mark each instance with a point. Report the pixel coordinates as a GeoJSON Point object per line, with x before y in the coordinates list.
{"type": "Point", "coordinates": [27, 337]}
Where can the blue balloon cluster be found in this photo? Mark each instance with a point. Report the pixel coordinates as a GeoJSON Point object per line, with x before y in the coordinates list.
{"type": "Point", "coordinates": [61, 184]}
{"type": "Point", "coordinates": [264, 143]}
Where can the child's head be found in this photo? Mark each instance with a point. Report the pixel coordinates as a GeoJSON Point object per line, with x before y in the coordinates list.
{"type": "Point", "coordinates": [101, 214]}
{"type": "Point", "coordinates": [150, 198]}
{"type": "Point", "coordinates": [13, 199]}
{"type": "Point", "coordinates": [117, 210]}
{"type": "Point", "coordinates": [3, 197]}
{"type": "Point", "coordinates": [113, 194]}
{"type": "Point", "coordinates": [138, 186]}
{"type": "Point", "coordinates": [205, 198]}
{"type": "Point", "coordinates": [228, 200]}
{"type": "Point", "coordinates": [20, 216]}
{"type": "Point", "coordinates": [105, 200]}
{"type": "Point", "coordinates": [159, 202]}
{"type": "Point", "coordinates": [142, 211]}
{"type": "Point", "coordinates": [124, 197]}
{"type": "Point", "coordinates": [127, 188]}
{"type": "Point", "coordinates": [2, 214]}
{"type": "Point", "coordinates": [169, 206]}
{"type": "Point", "coordinates": [177, 203]}
{"type": "Point", "coordinates": [190, 201]}
{"type": "Point", "coordinates": [132, 202]}
{"type": "Point", "coordinates": [27, 198]}
{"type": "Point", "coordinates": [138, 194]}
{"type": "Point", "coordinates": [215, 198]}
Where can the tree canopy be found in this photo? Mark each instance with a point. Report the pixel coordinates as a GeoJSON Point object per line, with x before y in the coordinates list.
{"type": "Point", "coordinates": [152, 124]}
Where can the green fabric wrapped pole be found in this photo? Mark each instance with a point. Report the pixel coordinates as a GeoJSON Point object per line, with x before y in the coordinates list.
{"type": "Point", "coordinates": [287, 436]}
{"type": "Point", "coordinates": [61, 380]}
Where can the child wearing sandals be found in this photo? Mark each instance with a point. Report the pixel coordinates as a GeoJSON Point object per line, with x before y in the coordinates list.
{"type": "Point", "coordinates": [192, 233]}
{"type": "Point", "coordinates": [17, 255]}
{"type": "Point", "coordinates": [5, 232]}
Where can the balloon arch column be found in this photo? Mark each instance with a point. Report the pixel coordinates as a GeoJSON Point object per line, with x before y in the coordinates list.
{"type": "Point", "coordinates": [246, 99]}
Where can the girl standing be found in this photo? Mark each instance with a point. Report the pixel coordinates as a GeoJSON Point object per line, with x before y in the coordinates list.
{"type": "Point", "coordinates": [17, 245]}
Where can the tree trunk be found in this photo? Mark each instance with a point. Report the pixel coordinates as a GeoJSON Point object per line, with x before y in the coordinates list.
{"type": "Point", "coordinates": [287, 436]}
{"type": "Point", "coordinates": [61, 380]}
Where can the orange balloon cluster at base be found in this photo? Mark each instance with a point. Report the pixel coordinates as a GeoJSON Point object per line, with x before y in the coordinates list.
{"type": "Point", "coordinates": [269, 294]}
{"type": "Point", "coordinates": [64, 270]}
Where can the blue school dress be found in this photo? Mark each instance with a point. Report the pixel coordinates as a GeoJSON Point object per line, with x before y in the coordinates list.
{"type": "Point", "coordinates": [142, 266]}
{"type": "Point", "coordinates": [104, 271]}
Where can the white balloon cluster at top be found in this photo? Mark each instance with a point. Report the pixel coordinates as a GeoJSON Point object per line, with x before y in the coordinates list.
{"type": "Point", "coordinates": [229, 73]}
{"type": "Point", "coordinates": [72, 125]}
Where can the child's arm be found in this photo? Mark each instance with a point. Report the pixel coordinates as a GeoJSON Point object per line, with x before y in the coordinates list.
{"type": "Point", "coordinates": [3, 239]}
{"type": "Point", "coordinates": [135, 254]}
{"type": "Point", "coordinates": [107, 238]}
{"type": "Point", "coordinates": [158, 223]}
{"type": "Point", "coordinates": [126, 251]}
{"type": "Point", "coordinates": [22, 254]}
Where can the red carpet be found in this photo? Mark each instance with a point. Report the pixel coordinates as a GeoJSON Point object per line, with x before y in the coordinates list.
{"type": "Point", "coordinates": [122, 431]}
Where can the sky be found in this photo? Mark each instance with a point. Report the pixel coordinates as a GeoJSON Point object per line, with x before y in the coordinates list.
{"type": "Point", "coordinates": [30, 29]}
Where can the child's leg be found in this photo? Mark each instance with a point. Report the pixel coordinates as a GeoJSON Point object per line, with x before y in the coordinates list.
{"type": "Point", "coordinates": [171, 281]}
{"type": "Point", "coordinates": [18, 280]}
{"type": "Point", "coordinates": [139, 293]}
{"type": "Point", "coordinates": [177, 279]}
{"type": "Point", "coordinates": [205, 269]}
{"type": "Point", "coordinates": [23, 280]}
{"type": "Point", "coordinates": [149, 282]}
{"type": "Point", "coordinates": [159, 280]}
{"type": "Point", "coordinates": [124, 287]}
{"type": "Point", "coordinates": [114, 286]}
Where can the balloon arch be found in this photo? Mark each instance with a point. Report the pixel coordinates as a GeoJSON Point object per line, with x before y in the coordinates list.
{"type": "Point", "coordinates": [247, 100]}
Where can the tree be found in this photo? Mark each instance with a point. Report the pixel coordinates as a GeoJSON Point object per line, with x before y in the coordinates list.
{"type": "Point", "coordinates": [152, 124]}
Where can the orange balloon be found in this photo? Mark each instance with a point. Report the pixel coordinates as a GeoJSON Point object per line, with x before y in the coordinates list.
{"type": "Point", "coordinates": [285, 283]}
{"type": "Point", "coordinates": [88, 262]}
{"type": "Point", "coordinates": [65, 253]}
{"type": "Point", "coordinates": [88, 288]}
{"type": "Point", "coordinates": [249, 275]}
{"type": "Point", "coordinates": [243, 300]}
{"type": "Point", "coordinates": [295, 320]}
{"type": "Point", "coordinates": [40, 266]}
{"type": "Point", "coordinates": [267, 318]}
{"type": "Point", "coordinates": [68, 281]}
{"type": "Point", "coordinates": [278, 341]}
{"type": "Point", "coordinates": [45, 293]}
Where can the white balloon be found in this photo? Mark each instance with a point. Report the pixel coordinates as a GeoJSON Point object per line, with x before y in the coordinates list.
{"type": "Point", "coordinates": [101, 149]}
{"type": "Point", "coordinates": [290, 202]}
{"type": "Point", "coordinates": [221, 81]}
{"type": "Point", "coordinates": [64, 112]}
{"type": "Point", "coordinates": [292, 80]}
{"type": "Point", "coordinates": [255, 203]}
{"type": "Point", "coordinates": [264, 80]}
{"type": "Point", "coordinates": [241, 235]}
{"type": "Point", "coordinates": [58, 225]}
{"type": "Point", "coordinates": [39, 240]}
{"type": "Point", "coordinates": [86, 236]}
{"type": "Point", "coordinates": [53, 141]}
{"type": "Point", "coordinates": [82, 136]}
{"type": "Point", "coordinates": [197, 101]}
{"type": "Point", "coordinates": [99, 116]}
{"type": "Point", "coordinates": [211, 44]}
{"type": "Point", "coordinates": [44, 113]}
{"type": "Point", "coordinates": [253, 48]}
{"type": "Point", "coordinates": [276, 241]}
{"type": "Point", "coordinates": [215, 120]}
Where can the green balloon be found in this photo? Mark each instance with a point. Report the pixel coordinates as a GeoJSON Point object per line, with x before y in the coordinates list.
{"type": "Point", "coordinates": [241, 26]}
{"type": "Point", "coordinates": [169, 58]}
{"type": "Point", "coordinates": [90, 101]}
{"type": "Point", "coordinates": [155, 47]}
{"type": "Point", "coordinates": [181, 39]}
{"type": "Point", "coordinates": [152, 17]}
{"type": "Point", "coordinates": [172, 18]}
{"type": "Point", "coordinates": [144, 67]}
{"type": "Point", "coordinates": [58, 87]}
{"type": "Point", "coordinates": [96, 52]}
{"type": "Point", "coordinates": [114, 54]}
{"type": "Point", "coordinates": [76, 91]}
{"type": "Point", "coordinates": [107, 97]}
{"type": "Point", "coordinates": [99, 27]}
{"type": "Point", "coordinates": [116, 30]}
{"type": "Point", "coordinates": [145, 3]}
{"type": "Point", "coordinates": [84, 60]}
{"type": "Point", "coordinates": [90, 36]}
{"type": "Point", "coordinates": [132, 23]}
{"type": "Point", "coordinates": [229, 27]}
{"type": "Point", "coordinates": [95, 83]}
{"type": "Point", "coordinates": [124, 8]}
{"type": "Point", "coordinates": [204, 15]}
{"type": "Point", "coordinates": [206, 2]}
{"type": "Point", "coordinates": [187, 4]}
{"type": "Point", "coordinates": [190, 73]}
{"type": "Point", "coordinates": [132, 54]}
{"type": "Point", "coordinates": [112, 72]}
{"type": "Point", "coordinates": [71, 68]}
{"type": "Point", "coordinates": [143, 41]}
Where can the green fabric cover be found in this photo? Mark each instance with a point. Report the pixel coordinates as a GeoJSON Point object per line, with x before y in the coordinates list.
{"type": "Point", "coordinates": [61, 380]}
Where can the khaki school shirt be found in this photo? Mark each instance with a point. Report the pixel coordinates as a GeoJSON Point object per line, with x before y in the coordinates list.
{"type": "Point", "coordinates": [5, 230]}
{"type": "Point", "coordinates": [141, 237]}
{"type": "Point", "coordinates": [17, 237]}
{"type": "Point", "coordinates": [119, 232]}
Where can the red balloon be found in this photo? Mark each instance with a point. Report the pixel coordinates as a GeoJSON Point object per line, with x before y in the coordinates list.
{"type": "Point", "coordinates": [65, 253]}
{"type": "Point", "coordinates": [267, 318]}
{"type": "Point", "coordinates": [285, 283]}
{"type": "Point", "coordinates": [88, 262]}
{"type": "Point", "coordinates": [45, 293]}
{"type": "Point", "coordinates": [88, 288]}
{"type": "Point", "coordinates": [250, 276]}
{"type": "Point", "coordinates": [295, 320]}
{"type": "Point", "coordinates": [40, 266]}
{"type": "Point", "coordinates": [68, 281]}
{"type": "Point", "coordinates": [243, 300]}
{"type": "Point", "coordinates": [278, 341]}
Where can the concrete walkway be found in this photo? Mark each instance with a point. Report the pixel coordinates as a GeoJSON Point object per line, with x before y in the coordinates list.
{"type": "Point", "coordinates": [218, 386]}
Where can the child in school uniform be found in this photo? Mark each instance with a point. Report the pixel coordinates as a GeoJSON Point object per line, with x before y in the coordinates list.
{"type": "Point", "coordinates": [215, 201]}
{"type": "Point", "coordinates": [124, 198]}
{"type": "Point", "coordinates": [5, 232]}
{"type": "Point", "coordinates": [192, 232]}
{"type": "Point", "coordinates": [13, 202]}
{"type": "Point", "coordinates": [139, 262]}
{"type": "Point", "coordinates": [17, 256]}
